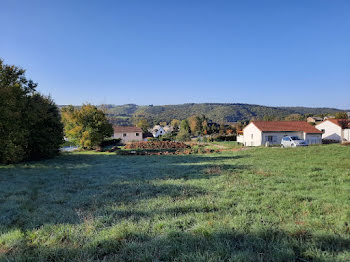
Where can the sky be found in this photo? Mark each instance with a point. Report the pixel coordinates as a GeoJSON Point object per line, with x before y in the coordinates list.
{"type": "Point", "coordinates": [278, 53]}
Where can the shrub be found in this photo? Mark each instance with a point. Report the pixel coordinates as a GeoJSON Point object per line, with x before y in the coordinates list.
{"type": "Point", "coordinates": [110, 142]}
{"type": "Point", "coordinates": [225, 138]}
{"type": "Point", "coordinates": [166, 137]}
{"type": "Point", "coordinates": [153, 138]}
{"type": "Point", "coordinates": [329, 141]}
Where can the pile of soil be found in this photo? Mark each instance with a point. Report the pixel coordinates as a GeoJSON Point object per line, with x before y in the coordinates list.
{"type": "Point", "coordinates": [157, 145]}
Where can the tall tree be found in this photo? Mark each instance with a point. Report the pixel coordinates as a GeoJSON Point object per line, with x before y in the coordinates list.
{"type": "Point", "coordinates": [143, 124]}
{"type": "Point", "coordinates": [175, 123]}
{"type": "Point", "coordinates": [87, 126]}
{"type": "Point", "coordinates": [205, 127]}
{"type": "Point", "coordinates": [45, 127]}
{"type": "Point", "coordinates": [195, 125]}
{"type": "Point", "coordinates": [185, 126]}
{"type": "Point", "coordinates": [184, 133]}
{"type": "Point", "coordinates": [30, 126]}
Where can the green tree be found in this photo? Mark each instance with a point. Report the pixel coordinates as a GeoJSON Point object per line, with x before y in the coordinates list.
{"type": "Point", "coordinates": [268, 118]}
{"type": "Point", "coordinates": [30, 126]}
{"type": "Point", "coordinates": [184, 133]}
{"type": "Point", "coordinates": [45, 127]}
{"type": "Point", "coordinates": [195, 125]}
{"type": "Point", "coordinates": [294, 117]}
{"type": "Point", "coordinates": [184, 125]}
{"type": "Point", "coordinates": [143, 124]}
{"type": "Point", "coordinates": [222, 129]}
{"type": "Point", "coordinates": [175, 123]}
{"type": "Point", "coordinates": [341, 115]}
{"type": "Point", "coordinates": [87, 126]}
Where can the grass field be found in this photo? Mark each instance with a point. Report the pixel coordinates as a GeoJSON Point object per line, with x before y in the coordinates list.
{"type": "Point", "coordinates": [260, 204]}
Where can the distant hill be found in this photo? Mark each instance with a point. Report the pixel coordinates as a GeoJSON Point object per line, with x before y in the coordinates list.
{"type": "Point", "coordinates": [217, 112]}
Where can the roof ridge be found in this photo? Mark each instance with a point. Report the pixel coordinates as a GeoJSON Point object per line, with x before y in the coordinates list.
{"type": "Point", "coordinates": [273, 126]}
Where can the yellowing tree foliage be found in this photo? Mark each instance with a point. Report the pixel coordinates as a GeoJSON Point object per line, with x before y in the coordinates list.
{"type": "Point", "coordinates": [87, 126]}
{"type": "Point", "coordinates": [143, 124]}
{"type": "Point", "coordinates": [341, 115]}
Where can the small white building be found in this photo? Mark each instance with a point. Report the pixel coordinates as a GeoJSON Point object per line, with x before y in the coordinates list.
{"type": "Point", "coordinates": [159, 130]}
{"type": "Point", "coordinates": [259, 133]}
{"type": "Point", "coordinates": [127, 133]}
{"type": "Point", "coordinates": [335, 129]}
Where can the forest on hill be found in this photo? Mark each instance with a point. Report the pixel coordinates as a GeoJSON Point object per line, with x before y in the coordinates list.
{"type": "Point", "coordinates": [217, 112]}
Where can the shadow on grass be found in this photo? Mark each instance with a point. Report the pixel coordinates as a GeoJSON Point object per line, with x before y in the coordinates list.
{"type": "Point", "coordinates": [55, 191]}
{"type": "Point", "coordinates": [199, 245]}
{"type": "Point", "coordinates": [59, 193]}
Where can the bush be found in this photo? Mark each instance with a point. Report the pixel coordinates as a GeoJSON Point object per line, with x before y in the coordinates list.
{"type": "Point", "coordinates": [153, 139]}
{"type": "Point", "coordinates": [110, 142]}
{"type": "Point", "coordinates": [329, 141]}
{"type": "Point", "coordinates": [221, 138]}
{"type": "Point", "coordinates": [166, 137]}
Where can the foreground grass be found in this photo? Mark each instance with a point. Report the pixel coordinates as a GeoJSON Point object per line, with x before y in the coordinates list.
{"type": "Point", "coordinates": [261, 204]}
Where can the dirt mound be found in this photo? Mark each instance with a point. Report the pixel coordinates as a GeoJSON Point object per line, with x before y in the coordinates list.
{"type": "Point", "coordinates": [157, 145]}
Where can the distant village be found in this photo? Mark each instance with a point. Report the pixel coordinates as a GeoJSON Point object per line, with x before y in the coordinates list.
{"type": "Point", "coordinates": [266, 132]}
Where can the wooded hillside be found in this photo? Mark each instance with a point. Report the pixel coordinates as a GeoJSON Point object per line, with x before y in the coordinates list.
{"type": "Point", "coordinates": [217, 112]}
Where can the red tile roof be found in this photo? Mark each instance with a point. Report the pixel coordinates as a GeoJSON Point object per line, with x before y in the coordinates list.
{"type": "Point", "coordinates": [127, 129]}
{"type": "Point", "coordinates": [275, 126]}
{"type": "Point", "coordinates": [339, 122]}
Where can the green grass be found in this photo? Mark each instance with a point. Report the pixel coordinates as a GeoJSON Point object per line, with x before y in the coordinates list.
{"type": "Point", "coordinates": [224, 144]}
{"type": "Point", "coordinates": [261, 204]}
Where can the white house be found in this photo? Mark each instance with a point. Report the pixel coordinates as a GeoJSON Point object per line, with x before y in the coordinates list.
{"type": "Point", "coordinates": [259, 133]}
{"type": "Point", "coordinates": [127, 133]}
{"type": "Point", "coordinates": [333, 129]}
{"type": "Point", "coordinates": [158, 130]}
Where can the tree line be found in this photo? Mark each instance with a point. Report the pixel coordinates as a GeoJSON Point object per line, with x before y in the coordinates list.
{"type": "Point", "coordinates": [217, 112]}
{"type": "Point", "coordinates": [193, 126]}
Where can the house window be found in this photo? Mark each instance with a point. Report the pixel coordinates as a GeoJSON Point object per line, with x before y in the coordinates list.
{"type": "Point", "coordinates": [124, 135]}
{"type": "Point", "coordinates": [137, 134]}
{"type": "Point", "coordinates": [251, 136]}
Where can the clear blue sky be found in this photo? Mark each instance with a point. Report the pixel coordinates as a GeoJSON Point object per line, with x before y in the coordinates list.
{"type": "Point", "coordinates": [283, 52]}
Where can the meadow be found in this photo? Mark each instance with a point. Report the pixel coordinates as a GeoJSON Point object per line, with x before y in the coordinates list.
{"type": "Point", "coordinates": [259, 204]}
